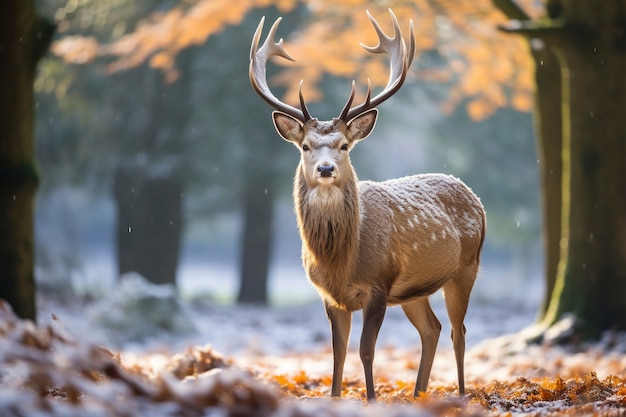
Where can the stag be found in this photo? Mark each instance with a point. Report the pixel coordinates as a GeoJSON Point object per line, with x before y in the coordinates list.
{"type": "Point", "coordinates": [368, 245]}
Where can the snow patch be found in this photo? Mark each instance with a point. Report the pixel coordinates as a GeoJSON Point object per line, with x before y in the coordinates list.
{"type": "Point", "coordinates": [136, 310]}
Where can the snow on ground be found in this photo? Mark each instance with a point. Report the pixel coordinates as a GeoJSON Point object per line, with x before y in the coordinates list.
{"type": "Point", "coordinates": [148, 323]}
{"type": "Point", "coordinates": [151, 330]}
{"type": "Point", "coordinates": [138, 318]}
{"type": "Point", "coordinates": [136, 315]}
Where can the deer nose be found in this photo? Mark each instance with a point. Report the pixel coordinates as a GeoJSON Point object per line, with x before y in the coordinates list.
{"type": "Point", "coordinates": [325, 170]}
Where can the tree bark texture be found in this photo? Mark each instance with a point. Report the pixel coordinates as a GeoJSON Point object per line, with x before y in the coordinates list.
{"type": "Point", "coordinates": [149, 226]}
{"type": "Point", "coordinates": [24, 38]}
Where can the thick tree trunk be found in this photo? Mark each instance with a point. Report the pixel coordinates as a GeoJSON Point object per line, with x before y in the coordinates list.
{"type": "Point", "coordinates": [24, 37]}
{"type": "Point", "coordinates": [255, 250]}
{"type": "Point", "coordinates": [149, 226]}
{"type": "Point", "coordinates": [589, 39]}
{"type": "Point", "coordinates": [549, 133]}
{"type": "Point", "coordinates": [592, 280]}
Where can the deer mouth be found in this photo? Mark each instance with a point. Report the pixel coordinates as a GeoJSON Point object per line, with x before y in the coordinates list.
{"type": "Point", "coordinates": [325, 179]}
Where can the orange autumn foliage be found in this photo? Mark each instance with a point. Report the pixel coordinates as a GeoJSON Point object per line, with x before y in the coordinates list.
{"type": "Point", "coordinates": [498, 397]}
{"type": "Point", "coordinates": [484, 68]}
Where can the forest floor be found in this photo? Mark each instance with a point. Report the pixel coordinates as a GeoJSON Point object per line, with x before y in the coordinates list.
{"type": "Point", "coordinates": [276, 362]}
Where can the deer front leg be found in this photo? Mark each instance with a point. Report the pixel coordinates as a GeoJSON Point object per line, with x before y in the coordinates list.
{"type": "Point", "coordinates": [340, 322]}
{"type": "Point", "coordinates": [373, 315]}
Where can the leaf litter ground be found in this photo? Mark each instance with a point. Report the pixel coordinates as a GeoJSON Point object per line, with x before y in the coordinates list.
{"type": "Point", "coordinates": [55, 369]}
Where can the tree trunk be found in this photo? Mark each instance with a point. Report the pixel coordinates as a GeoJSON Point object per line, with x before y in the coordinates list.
{"type": "Point", "coordinates": [589, 39]}
{"type": "Point", "coordinates": [255, 251]}
{"type": "Point", "coordinates": [24, 38]}
{"type": "Point", "coordinates": [149, 226]}
{"type": "Point", "coordinates": [549, 132]}
{"type": "Point", "coordinates": [549, 146]}
{"type": "Point", "coordinates": [592, 278]}
{"type": "Point", "coordinates": [150, 204]}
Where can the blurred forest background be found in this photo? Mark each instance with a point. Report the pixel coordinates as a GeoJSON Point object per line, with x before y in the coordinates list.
{"type": "Point", "coordinates": [151, 154]}
{"type": "Point", "coordinates": [159, 158]}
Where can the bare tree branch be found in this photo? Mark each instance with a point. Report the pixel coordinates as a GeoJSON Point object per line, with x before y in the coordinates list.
{"type": "Point", "coordinates": [511, 9]}
{"type": "Point", "coordinates": [548, 30]}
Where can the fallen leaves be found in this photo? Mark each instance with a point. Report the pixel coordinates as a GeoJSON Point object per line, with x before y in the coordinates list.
{"type": "Point", "coordinates": [48, 373]}
{"type": "Point", "coordinates": [551, 395]}
{"type": "Point", "coordinates": [542, 395]}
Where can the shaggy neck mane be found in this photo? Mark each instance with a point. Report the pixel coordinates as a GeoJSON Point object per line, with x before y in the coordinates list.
{"type": "Point", "coordinates": [329, 221]}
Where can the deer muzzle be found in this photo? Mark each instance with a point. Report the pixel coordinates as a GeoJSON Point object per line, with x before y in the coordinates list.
{"type": "Point", "coordinates": [325, 173]}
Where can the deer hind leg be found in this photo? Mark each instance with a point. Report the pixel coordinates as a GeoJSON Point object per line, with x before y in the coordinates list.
{"type": "Point", "coordinates": [340, 323]}
{"type": "Point", "coordinates": [421, 315]}
{"type": "Point", "coordinates": [457, 292]}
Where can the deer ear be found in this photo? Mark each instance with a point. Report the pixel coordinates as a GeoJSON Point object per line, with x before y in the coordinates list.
{"type": "Point", "coordinates": [288, 127]}
{"type": "Point", "coordinates": [361, 126]}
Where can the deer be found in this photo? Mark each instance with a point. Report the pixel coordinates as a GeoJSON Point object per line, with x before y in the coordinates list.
{"type": "Point", "coordinates": [367, 245]}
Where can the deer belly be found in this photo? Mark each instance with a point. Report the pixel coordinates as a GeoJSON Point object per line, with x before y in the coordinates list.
{"type": "Point", "coordinates": [409, 288]}
{"type": "Point", "coordinates": [425, 264]}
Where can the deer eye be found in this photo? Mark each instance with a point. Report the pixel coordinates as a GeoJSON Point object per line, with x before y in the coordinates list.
{"type": "Point", "coordinates": [305, 147]}
{"type": "Point", "coordinates": [344, 147]}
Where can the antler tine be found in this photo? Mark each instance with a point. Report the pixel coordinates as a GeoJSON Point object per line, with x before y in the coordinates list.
{"type": "Point", "coordinates": [383, 39]}
{"type": "Point", "coordinates": [411, 44]}
{"type": "Point", "coordinates": [305, 111]}
{"type": "Point", "coordinates": [400, 60]}
{"type": "Point", "coordinates": [257, 70]}
{"type": "Point", "coordinates": [346, 108]}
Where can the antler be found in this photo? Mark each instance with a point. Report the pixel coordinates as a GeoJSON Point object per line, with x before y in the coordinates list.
{"type": "Point", "coordinates": [395, 47]}
{"type": "Point", "coordinates": [257, 71]}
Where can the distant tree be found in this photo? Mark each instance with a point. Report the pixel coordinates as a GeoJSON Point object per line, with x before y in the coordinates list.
{"type": "Point", "coordinates": [135, 136]}
{"type": "Point", "coordinates": [589, 40]}
{"type": "Point", "coordinates": [24, 38]}
{"type": "Point", "coordinates": [150, 171]}
{"type": "Point", "coordinates": [251, 154]}
{"type": "Point", "coordinates": [149, 224]}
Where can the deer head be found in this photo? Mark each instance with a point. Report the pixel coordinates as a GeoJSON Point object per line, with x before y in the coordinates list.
{"type": "Point", "coordinates": [324, 145]}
